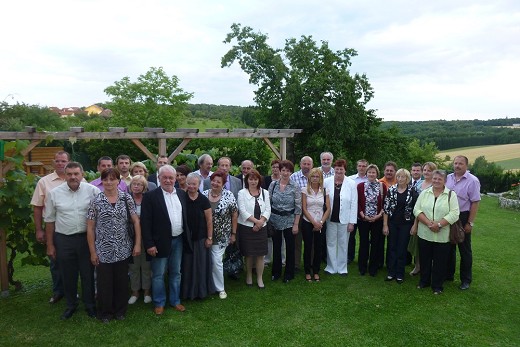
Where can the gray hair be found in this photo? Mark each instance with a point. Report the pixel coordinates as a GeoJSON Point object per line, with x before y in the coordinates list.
{"type": "Point", "coordinates": [167, 167]}
{"type": "Point", "coordinates": [203, 158]}
{"type": "Point", "coordinates": [193, 175]}
{"type": "Point", "coordinates": [329, 153]}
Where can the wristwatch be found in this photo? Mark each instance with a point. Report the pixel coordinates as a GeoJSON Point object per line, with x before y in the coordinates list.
{"type": "Point", "coordinates": [439, 225]}
{"type": "Point", "coordinates": [470, 224]}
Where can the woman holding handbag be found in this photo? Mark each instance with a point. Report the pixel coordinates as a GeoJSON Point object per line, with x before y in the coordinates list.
{"type": "Point", "coordinates": [436, 211]}
{"type": "Point", "coordinates": [315, 210]}
{"type": "Point", "coordinates": [254, 211]}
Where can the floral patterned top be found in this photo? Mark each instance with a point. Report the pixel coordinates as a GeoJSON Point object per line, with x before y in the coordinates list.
{"type": "Point", "coordinates": [391, 201]}
{"type": "Point", "coordinates": [227, 205]}
{"type": "Point", "coordinates": [112, 243]}
{"type": "Point", "coordinates": [288, 202]}
{"type": "Point", "coordinates": [372, 191]}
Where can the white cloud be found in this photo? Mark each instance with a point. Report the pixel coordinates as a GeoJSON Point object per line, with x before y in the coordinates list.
{"type": "Point", "coordinates": [433, 60]}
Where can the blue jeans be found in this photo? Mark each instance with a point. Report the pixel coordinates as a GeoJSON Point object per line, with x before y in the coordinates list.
{"type": "Point", "coordinates": [173, 261]}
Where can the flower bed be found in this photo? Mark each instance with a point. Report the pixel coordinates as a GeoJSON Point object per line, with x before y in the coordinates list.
{"type": "Point", "coordinates": [509, 203]}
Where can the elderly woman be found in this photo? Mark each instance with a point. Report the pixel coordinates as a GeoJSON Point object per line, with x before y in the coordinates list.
{"type": "Point", "coordinates": [436, 208]}
{"type": "Point", "coordinates": [254, 211]}
{"type": "Point", "coordinates": [286, 208]}
{"type": "Point", "coordinates": [138, 168]}
{"type": "Point", "coordinates": [140, 269]}
{"type": "Point", "coordinates": [398, 222]}
{"type": "Point", "coordinates": [197, 279]}
{"type": "Point", "coordinates": [111, 246]}
{"type": "Point", "coordinates": [343, 199]}
{"type": "Point", "coordinates": [182, 174]}
{"type": "Point", "coordinates": [423, 184]}
{"type": "Point", "coordinates": [224, 215]}
{"type": "Point", "coordinates": [371, 197]}
{"type": "Point", "coordinates": [316, 210]}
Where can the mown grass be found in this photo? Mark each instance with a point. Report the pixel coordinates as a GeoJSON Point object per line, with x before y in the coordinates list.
{"type": "Point", "coordinates": [339, 311]}
{"type": "Point", "coordinates": [507, 156]}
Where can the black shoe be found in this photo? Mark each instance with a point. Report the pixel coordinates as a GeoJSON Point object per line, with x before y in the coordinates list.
{"type": "Point", "coordinates": [275, 278]}
{"type": "Point", "coordinates": [55, 298]}
{"type": "Point", "coordinates": [68, 313]}
{"type": "Point", "coordinates": [389, 278]}
{"type": "Point", "coordinates": [464, 286]}
{"type": "Point", "coordinates": [233, 276]}
{"type": "Point", "coordinates": [121, 317]}
{"type": "Point", "coordinates": [105, 320]}
{"type": "Point", "coordinates": [437, 291]}
{"type": "Point", "coordinates": [91, 312]}
{"type": "Point", "coordinates": [451, 279]}
{"type": "Point", "coordinates": [399, 281]}
{"type": "Point", "coordinates": [362, 273]}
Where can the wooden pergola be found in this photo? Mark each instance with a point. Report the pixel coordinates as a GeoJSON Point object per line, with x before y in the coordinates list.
{"type": "Point", "coordinates": [186, 134]}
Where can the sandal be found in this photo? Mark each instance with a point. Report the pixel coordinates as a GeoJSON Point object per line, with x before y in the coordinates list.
{"type": "Point", "coordinates": [308, 278]}
{"type": "Point", "coordinates": [316, 277]}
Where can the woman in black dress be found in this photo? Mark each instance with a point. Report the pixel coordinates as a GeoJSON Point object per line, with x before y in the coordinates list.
{"type": "Point", "coordinates": [197, 280]}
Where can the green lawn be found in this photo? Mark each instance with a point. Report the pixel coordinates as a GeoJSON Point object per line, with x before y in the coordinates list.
{"type": "Point", "coordinates": [339, 311]}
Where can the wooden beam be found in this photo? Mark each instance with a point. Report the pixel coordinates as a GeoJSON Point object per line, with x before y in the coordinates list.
{"type": "Point", "coordinates": [273, 148]}
{"type": "Point", "coordinates": [154, 130]}
{"type": "Point", "coordinates": [187, 130]}
{"type": "Point", "coordinates": [217, 130]}
{"type": "Point", "coordinates": [162, 147]}
{"type": "Point", "coordinates": [143, 148]}
{"type": "Point", "coordinates": [117, 130]}
{"type": "Point", "coordinates": [283, 148]}
{"type": "Point", "coordinates": [178, 149]}
{"type": "Point", "coordinates": [24, 152]}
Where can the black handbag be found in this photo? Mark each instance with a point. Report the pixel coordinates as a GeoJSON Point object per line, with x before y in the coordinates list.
{"type": "Point", "coordinates": [233, 263]}
{"type": "Point", "coordinates": [130, 224]}
{"type": "Point", "coordinates": [457, 232]}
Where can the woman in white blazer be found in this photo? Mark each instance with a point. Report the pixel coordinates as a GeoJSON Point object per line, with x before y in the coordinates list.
{"type": "Point", "coordinates": [254, 211]}
{"type": "Point", "coordinates": [343, 201]}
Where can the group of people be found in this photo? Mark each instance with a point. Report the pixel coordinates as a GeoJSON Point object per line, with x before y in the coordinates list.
{"type": "Point", "coordinates": [130, 228]}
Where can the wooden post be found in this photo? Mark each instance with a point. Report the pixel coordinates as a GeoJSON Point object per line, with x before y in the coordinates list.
{"type": "Point", "coordinates": [4, 277]}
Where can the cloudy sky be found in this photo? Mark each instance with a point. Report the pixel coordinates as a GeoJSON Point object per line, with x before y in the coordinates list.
{"type": "Point", "coordinates": [440, 59]}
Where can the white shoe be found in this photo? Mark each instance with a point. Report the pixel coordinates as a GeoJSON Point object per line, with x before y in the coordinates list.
{"type": "Point", "coordinates": [222, 295]}
{"type": "Point", "coordinates": [132, 300]}
{"type": "Point", "coordinates": [147, 299]}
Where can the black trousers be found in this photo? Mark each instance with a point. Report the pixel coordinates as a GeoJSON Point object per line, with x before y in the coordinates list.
{"type": "Point", "coordinates": [311, 242]}
{"type": "Point", "coordinates": [398, 239]}
{"type": "Point", "coordinates": [369, 238]}
{"type": "Point", "coordinates": [352, 244]}
{"type": "Point", "coordinates": [73, 257]}
{"type": "Point", "coordinates": [434, 258]}
{"type": "Point", "coordinates": [466, 255]}
{"type": "Point", "coordinates": [289, 254]}
{"type": "Point", "coordinates": [112, 289]}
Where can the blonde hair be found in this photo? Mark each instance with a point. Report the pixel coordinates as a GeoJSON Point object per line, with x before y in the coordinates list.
{"type": "Point", "coordinates": [430, 165]}
{"type": "Point", "coordinates": [372, 167]}
{"type": "Point", "coordinates": [140, 179]}
{"type": "Point", "coordinates": [138, 164]}
{"type": "Point", "coordinates": [405, 172]}
{"type": "Point", "coordinates": [315, 170]}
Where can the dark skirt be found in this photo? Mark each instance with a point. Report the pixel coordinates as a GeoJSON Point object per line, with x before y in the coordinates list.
{"type": "Point", "coordinates": [252, 244]}
{"type": "Point", "coordinates": [197, 279]}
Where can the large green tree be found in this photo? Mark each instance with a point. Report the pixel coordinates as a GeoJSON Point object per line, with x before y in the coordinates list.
{"type": "Point", "coordinates": [154, 100]}
{"type": "Point", "coordinates": [309, 86]}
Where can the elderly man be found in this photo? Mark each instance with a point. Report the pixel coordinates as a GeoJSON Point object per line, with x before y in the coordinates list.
{"type": "Point", "coordinates": [66, 231]}
{"type": "Point", "coordinates": [389, 180]}
{"type": "Point", "coordinates": [326, 159]}
{"type": "Point", "coordinates": [205, 163]}
{"type": "Point", "coordinates": [245, 167]}
{"type": "Point", "coordinates": [467, 187]}
{"type": "Point", "coordinates": [359, 177]}
{"type": "Point", "coordinates": [161, 161]}
{"type": "Point", "coordinates": [233, 184]}
{"type": "Point", "coordinates": [105, 163]}
{"type": "Point", "coordinates": [43, 187]}
{"type": "Point", "coordinates": [165, 233]}
{"type": "Point", "coordinates": [123, 163]}
{"type": "Point", "coordinates": [300, 178]}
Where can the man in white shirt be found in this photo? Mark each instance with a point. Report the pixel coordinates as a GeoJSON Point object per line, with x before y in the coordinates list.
{"type": "Point", "coordinates": [66, 231]}
{"type": "Point", "coordinates": [205, 163]}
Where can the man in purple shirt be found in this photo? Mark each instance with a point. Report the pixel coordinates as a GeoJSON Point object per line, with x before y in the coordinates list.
{"type": "Point", "coordinates": [105, 163]}
{"type": "Point", "coordinates": [467, 187]}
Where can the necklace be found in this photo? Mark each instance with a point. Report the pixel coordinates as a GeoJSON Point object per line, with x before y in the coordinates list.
{"type": "Point", "coordinates": [215, 195]}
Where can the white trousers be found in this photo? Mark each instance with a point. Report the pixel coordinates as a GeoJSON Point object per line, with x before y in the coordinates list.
{"type": "Point", "coordinates": [217, 270]}
{"type": "Point", "coordinates": [337, 248]}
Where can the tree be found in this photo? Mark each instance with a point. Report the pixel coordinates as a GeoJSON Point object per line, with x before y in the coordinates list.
{"type": "Point", "coordinates": [16, 117]}
{"type": "Point", "coordinates": [155, 100]}
{"type": "Point", "coordinates": [306, 85]}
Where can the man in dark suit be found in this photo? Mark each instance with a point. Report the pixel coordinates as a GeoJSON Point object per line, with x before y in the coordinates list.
{"type": "Point", "coordinates": [161, 161]}
{"type": "Point", "coordinates": [233, 184]}
{"type": "Point", "coordinates": [165, 233]}
{"type": "Point", "coordinates": [245, 167]}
